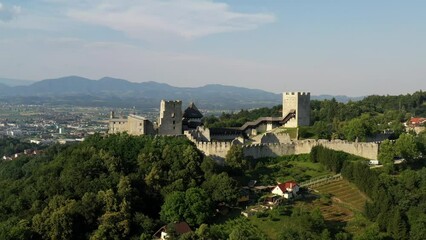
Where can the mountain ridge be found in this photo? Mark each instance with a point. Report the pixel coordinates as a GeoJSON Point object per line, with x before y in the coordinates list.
{"type": "Point", "coordinates": [107, 91]}
{"type": "Point", "coordinates": [15, 82]}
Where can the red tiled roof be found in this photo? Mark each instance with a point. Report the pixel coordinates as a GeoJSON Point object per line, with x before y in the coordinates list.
{"type": "Point", "coordinates": [282, 187]}
{"type": "Point", "coordinates": [288, 184]}
{"type": "Point", "coordinates": [417, 120]}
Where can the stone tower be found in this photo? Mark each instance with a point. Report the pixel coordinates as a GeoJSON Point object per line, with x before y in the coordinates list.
{"type": "Point", "coordinates": [170, 122]}
{"type": "Point", "coordinates": [301, 102]}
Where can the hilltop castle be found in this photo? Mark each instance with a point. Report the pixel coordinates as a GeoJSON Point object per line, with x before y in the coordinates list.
{"type": "Point", "coordinates": [260, 138]}
{"type": "Point", "coordinates": [172, 121]}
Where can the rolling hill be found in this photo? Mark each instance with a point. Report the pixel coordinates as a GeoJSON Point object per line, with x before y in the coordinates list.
{"type": "Point", "coordinates": [113, 92]}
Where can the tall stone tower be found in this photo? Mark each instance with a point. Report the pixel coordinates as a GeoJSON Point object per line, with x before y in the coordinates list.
{"type": "Point", "coordinates": [301, 103]}
{"type": "Point", "coordinates": [170, 122]}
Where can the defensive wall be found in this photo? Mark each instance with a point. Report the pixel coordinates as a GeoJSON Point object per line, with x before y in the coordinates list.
{"type": "Point", "coordinates": [218, 150]}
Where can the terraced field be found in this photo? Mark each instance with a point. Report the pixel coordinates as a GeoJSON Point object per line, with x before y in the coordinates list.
{"type": "Point", "coordinates": [345, 193]}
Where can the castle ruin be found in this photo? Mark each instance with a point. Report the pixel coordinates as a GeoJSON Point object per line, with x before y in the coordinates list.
{"type": "Point", "coordinates": [260, 138]}
{"type": "Point", "coordinates": [170, 121]}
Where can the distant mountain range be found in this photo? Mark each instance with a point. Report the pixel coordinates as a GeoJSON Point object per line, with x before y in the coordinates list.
{"type": "Point", "coordinates": [112, 92]}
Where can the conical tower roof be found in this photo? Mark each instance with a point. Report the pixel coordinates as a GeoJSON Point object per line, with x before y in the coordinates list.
{"type": "Point", "coordinates": [192, 112]}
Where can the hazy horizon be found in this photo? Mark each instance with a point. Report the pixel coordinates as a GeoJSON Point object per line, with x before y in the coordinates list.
{"type": "Point", "coordinates": [353, 48]}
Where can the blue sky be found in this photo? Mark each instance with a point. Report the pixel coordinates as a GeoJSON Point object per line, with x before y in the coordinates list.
{"type": "Point", "coordinates": [325, 47]}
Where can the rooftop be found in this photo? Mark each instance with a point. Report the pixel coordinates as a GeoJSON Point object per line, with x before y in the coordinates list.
{"type": "Point", "coordinates": [192, 112]}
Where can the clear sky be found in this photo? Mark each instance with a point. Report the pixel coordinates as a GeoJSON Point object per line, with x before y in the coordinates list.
{"type": "Point", "coordinates": [356, 47]}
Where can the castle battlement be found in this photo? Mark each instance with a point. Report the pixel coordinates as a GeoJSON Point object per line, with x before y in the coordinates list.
{"type": "Point", "coordinates": [298, 93]}
{"type": "Point", "coordinates": [171, 101]}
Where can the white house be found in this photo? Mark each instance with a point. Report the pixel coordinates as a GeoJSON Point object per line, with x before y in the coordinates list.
{"type": "Point", "coordinates": [287, 190]}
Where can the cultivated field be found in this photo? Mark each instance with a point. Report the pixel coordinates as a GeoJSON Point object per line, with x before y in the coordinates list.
{"type": "Point", "coordinates": [344, 193]}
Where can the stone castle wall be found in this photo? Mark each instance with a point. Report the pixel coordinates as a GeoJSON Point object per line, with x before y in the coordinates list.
{"type": "Point", "coordinates": [216, 150]}
{"type": "Point", "coordinates": [219, 149]}
{"type": "Point", "coordinates": [369, 150]}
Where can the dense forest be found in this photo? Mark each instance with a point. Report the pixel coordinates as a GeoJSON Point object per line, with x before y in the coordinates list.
{"type": "Point", "coordinates": [353, 120]}
{"type": "Point", "coordinates": [109, 188]}
{"type": "Point", "coordinates": [126, 187]}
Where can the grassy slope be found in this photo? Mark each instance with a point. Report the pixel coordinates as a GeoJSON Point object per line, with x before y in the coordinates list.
{"type": "Point", "coordinates": [345, 193]}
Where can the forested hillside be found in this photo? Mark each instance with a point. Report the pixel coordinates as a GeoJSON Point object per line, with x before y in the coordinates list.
{"type": "Point", "coordinates": [126, 187]}
{"type": "Point", "coordinates": [108, 188]}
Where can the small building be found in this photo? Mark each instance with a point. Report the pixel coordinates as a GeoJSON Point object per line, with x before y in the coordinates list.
{"type": "Point", "coordinates": [191, 117]}
{"type": "Point", "coordinates": [287, 190]}
{"type": "Point", "coordinates": [169, 123]}
{"type": "Point", "coordinates": [416, 124]}
{"type": "Point", "coordinates": [133, 125]}
{"type": "Point", "coordinates": [416, 121]}
{"type": "Point", "coordinates": [179, 228]}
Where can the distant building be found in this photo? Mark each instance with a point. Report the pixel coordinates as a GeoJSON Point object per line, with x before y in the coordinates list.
{"type": "Point", "coordinates": [14, 132]}
{"type": "Point", "coordinates": [416, 121]}
{"type": "Point", "coordinates": [416, 124]}
{"type": "Point", "coordinates": [117, 125]}
{"type": "Point", "coordinates": [133, 125]}
{"type": "Point", "coordinates": [169, 123]}
{"type": "Point", "coordinates": [70, 140]}
{"type": "Point", "coordinates": [191, 117]}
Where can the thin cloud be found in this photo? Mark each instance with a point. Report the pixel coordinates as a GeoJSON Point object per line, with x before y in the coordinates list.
{"type": "Point", "coordinates": [8, 13]}
{"type": "Point", "coordinates": [186, 19]}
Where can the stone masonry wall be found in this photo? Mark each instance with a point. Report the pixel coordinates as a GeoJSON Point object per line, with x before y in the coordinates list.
{"type": "Point", "coordinates": [219, 149]}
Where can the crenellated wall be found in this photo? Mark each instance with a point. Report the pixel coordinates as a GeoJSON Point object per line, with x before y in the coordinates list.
{"type": "Point", "coordinates": [218, 150]}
